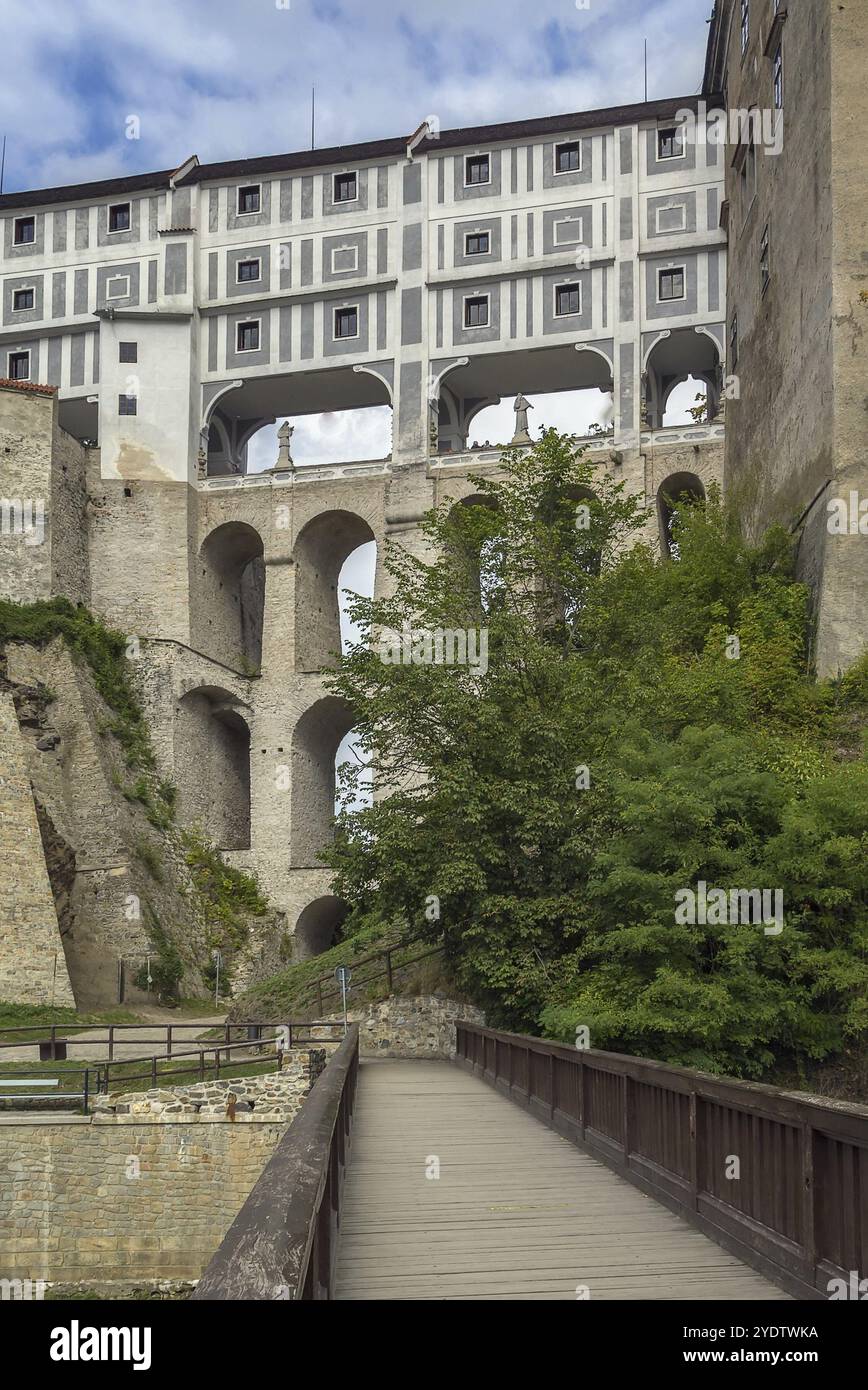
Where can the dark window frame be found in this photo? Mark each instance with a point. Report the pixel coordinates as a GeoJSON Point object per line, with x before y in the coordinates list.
{"type": "Point", "coordinates": [672, 272]}
{"type": "Point", "coordinates": [114, 209]}
{"type": "Point", "coordinates": [22, 308]}
{"type": "Point", "coordinates": [765, 259]}
{"type": "Point", "coordinates": [128, 352]}
{"type": "Point", "coordinates": [351, 179]}
{"type": "Point", "coordinates": [733, 343]}
{"type": "Point", "coordinates": [472, 304]}
{"type": "Point", "coordinates": [571, 288]}
{"type": "Point", "coordinates": [568, 147]}
{"type": "Point", "coordinates": [248, 279]}
{"type": "Point", "coordinates": [18, 224]}
{"type": "Point", "coordinates": [745, 26]}
{"type": "Point", "coordinates": [127, 404]}
{"type": "Point", "coordinates": [21, 354]}
{"type": "Point", "coordinates": [471, 163]}
{"type": "Point", "coordinates": [672, 135]}
{"type": "Point", "coordinates": [778, 77]}
{"type": "Point", "coordinates": [240, 328]}
{"type": "Point", "coordinates": [350, 312]}
{"type": "Point", "coordinates": [477, 236]}
{"type": "Point", "coordinates": [243, 189]}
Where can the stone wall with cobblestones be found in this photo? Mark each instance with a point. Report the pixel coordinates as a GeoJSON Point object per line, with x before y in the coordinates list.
{"type": "Point", "coordinates": [147, 1187]}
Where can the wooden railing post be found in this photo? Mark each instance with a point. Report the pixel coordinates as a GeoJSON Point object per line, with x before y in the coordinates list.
{"type": "Point", "coordinates": [809, 1207]}
{"type": "Point", "coordinates": [694, 1150]}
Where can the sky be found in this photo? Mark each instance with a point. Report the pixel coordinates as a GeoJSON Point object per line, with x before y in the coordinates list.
{"type": "Point", "coordinates": [227, 79]}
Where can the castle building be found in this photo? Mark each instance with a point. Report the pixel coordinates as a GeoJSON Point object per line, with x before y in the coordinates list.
{"type": "Point", "coordinates": [153, 324]}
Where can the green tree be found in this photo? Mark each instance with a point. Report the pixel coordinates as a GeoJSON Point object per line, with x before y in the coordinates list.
{"type": "Point", "coordinates": [542, 811]}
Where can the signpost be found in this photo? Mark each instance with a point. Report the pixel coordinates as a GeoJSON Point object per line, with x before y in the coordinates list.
{"type": "Point", "coordinates": [218, 961]}
{"type": "Point", "coordinates": [343, 975]}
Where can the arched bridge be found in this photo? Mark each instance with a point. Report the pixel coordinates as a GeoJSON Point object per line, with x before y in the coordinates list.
{"type": "Point", "coordinates": [524, 1169]}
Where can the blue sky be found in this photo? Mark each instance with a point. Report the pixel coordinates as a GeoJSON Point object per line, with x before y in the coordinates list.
{"type": "Point", "coordinates": [224, 79]}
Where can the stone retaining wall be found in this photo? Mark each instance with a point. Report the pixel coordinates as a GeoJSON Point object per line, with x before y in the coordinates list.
{"type": "Point", "coordinates": [420, 1025]}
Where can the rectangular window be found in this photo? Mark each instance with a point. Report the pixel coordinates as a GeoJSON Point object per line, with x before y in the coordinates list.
{"type": "Point", "coordinates": [569, 231]}
{"type": "Point", "coordinates": [248, 199]}
{"type": "Point", "coordinates": [119, 217]}
{"type": "Point", "coordinates": [345, 259]}
{"type": "Point", "coordinates": [747, 181]}
{"type": "Point", "coordinates": [672, 218]}
{"type": "Point", "coordinates": [248, 270]}
{"type": "Point", "coordinates": [733, 343]}
{"type": "Point", "coordinates": [24, 233]}
{"type": "Point", "coordinates": [568, 300]}
{"type": "Point", "coordinates": [128, 405]}
{"type": "Point", "coordinates": [247, 336]}
{"type": "Point", "coordinates": [347, 322]}
{"type": "Point", "coordinates": [346, 188]}
{"type": "Point", "coordinates": [765, 267]}
{"type": "Point", "coordinates": [745, 25]}
{"type": "Point", "coordinates": [477, 244]}
{"type": "Point", "coordinates": [22, 299]}
{"type": "Point", "coordinates": [778, 77]}
{"type": "Point", "coordinates": [670, 143]}
{"type": "Point", "coordinates": [476, 311]}
{"type": "Point", "coordinates": [670, 284]}
{"type": "Point", "coordinates": [118, 287]}
{"type": "Point", "coordinates": [476, 169]}
{"type": "Point", "coordinates": [19, 366]}
{"type": "Point", "coordinates": [568, 157]}
{"type": "Point", "coordinates": [128, 352]}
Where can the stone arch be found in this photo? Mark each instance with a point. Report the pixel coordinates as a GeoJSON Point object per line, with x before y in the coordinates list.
{"type": "Point", "coordinates": [323, 545]}
{"type": "Point", "coordinates": [677, 486]}
{"type": "Point", "coordinates": [212, 765]}
{"type": "Point", "coordinates": [315, 741]}
{"type": "Point", "coordinates": [317, 926]}
{"type": "Point", "coordinates": [673, 357]}
{"type": "Point", "coordinates": [231, 595]}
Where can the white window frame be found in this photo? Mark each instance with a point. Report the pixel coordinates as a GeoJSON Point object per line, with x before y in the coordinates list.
{"type": "Point", "coordinates": [348, 270]}
{"type": "Point", "coordinates": [480, 231]}
{"type": "Point", "coordinates": [671, 207]}
{"type": "Point", "coordinates": [671, 270]}
{"type": "Point", "coordinates": [114, 279]}
{"type": "Point", "coordinates": [247, 260]}
{"type": "Point", "coordinates": [567, 285]}
{"type": "Point", "coordinates": [241, 188]}
{"type": "Point", "coordinates": [559, 145]}
{"type": "Point", "coordinates": [474, 327]}
{"type": "Point", "coordinates": [22, 289]}
{"type": "Point", "coordinates": [477, 183]}
{"type": "Point", "coordinates": [563, 221]}
{"type": "Point", "coordinates": [25, 217]}
{"type": "Point", "coordinates": [118, 231]}
{"type": "Point", "coordinates": [668, 158]}
{"type": "Point", "coordinates": [246, 323]}
{"type": "Point", "coordinates": [345, 174]}
{"type": "Point", "coordinates": [18, 352]}
{"type": "Point", "coordinates": [778, 76]}
{"type": "Point", "coordinates": [345, 337]}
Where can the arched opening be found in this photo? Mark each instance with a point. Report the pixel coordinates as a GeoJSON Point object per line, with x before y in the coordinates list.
{"type": "Point", "coordinates": [231, 598]}
{"type": "Point", "coordinates": [342, 414]}
{"type": "Point", "coordinates": [687, 402]}
{"type": "Point", "coordinates": [681, 365]}
{"type": "Point", "coordinates": [315, 742]}
{"type": "Point", "coordinates": [473, 546]}
{"type": "Point", "coordinates": [212, 766]}
{"type": "Point", "coordinates": [318, 926]}
{"type": "Point", "coordinates": [678, 490]}
{"type": "Point", "coordinates": [322, 548]}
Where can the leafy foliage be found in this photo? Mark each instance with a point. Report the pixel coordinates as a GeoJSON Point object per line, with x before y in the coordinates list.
{"type": "Point", "coordinates": [554, 888]}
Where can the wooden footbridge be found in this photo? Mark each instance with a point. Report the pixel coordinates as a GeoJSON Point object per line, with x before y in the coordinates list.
{"type": "Point", "coordinates": [528, 1170]}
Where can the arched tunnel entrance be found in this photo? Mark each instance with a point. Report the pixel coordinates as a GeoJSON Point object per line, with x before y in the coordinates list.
{"type": "Point", "coordinates": [318, 925]}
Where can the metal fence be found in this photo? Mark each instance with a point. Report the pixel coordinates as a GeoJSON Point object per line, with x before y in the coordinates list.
{"type": "Point", "coordinates": [282, 1244]}
{"type": "Point", "coordinates": [778, 1178]}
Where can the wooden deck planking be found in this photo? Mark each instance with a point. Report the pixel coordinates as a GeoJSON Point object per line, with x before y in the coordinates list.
{"type": "Point", "coordinates": [517, 1212]}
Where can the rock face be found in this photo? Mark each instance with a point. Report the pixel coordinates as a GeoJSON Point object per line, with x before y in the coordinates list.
{"type": "Point", "coordinates": [32, 960]}
{"type": "Point", "coordinates": [420, 1025]}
